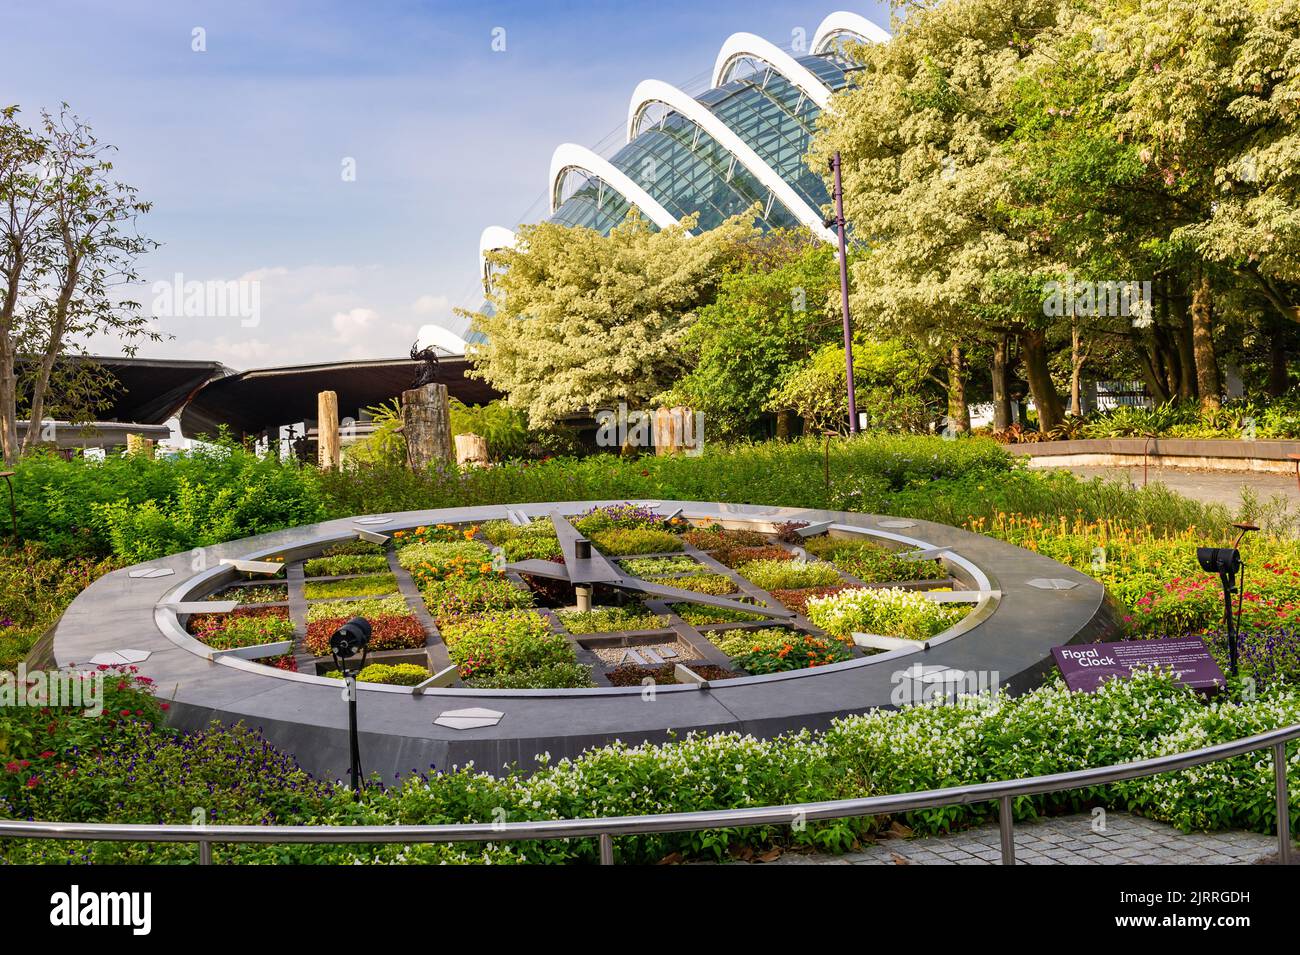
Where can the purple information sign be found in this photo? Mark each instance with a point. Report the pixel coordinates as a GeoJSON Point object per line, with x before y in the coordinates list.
{"type": "Point", "coordinates": [1086, 665]}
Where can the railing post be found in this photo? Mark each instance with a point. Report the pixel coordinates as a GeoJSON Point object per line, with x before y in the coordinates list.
{"type": "Point", "coordinates": [1283, 805]}
{"type": "Point", "coordinates": [205, 852]}
{"type": "Point", "coordinates": [1008, 837]}
{"type": "Point", "coordinates": [606, 849]}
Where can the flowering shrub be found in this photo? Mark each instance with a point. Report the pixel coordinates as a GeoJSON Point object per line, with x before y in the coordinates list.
{"type": "Point", "coordinates": [439, 533]}
{"type": "Point", "coordinates": [773, 651]}
{"type": "Point", "coordinates": [622, 516]}
{"type": "Point", "coordinates": [504, 641]}
{"type": "Point", "coordinates": [887, 611]}
{"type": "Point", "coordinates": [618, 540]}
{"type": "Point", "coordinates": [223, 632]}
{"type": "Point", "coordinates": [439, 561]}
{"type": "Point", "coordinates": [789, 574]}
{"type": "Point", "coordinates": [389, 632]}
{"type": "Point", "coordinates": [455, 597]}
{"type": "Point", "coordinates": [373, 585]}
{"type": "Point", "coordinates": [37, 742]}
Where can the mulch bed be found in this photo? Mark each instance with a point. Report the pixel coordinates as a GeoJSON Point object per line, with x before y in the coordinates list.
{"type": "Point", "coordinates": [631, 675]}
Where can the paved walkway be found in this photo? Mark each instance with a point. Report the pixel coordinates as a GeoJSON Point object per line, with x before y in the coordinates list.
{"type": "Point", "coordinates": [1063, 840]}
{"type": "Point", "coordinates": [1210, 487]}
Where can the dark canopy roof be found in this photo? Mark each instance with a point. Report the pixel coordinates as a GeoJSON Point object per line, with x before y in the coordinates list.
{"type": "Point", "coordinates": [150, 390]}
{"type": "Point", "coordinates": [252, 402]}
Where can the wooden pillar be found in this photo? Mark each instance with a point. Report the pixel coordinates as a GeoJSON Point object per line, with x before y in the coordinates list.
{"type": "Point", "coordinates": [674, 430]}
{"type": "Point", "coordinates": [471, 449]}
{"type": "Point", "coordinates": [426, 424]}
{"type": "Point", "coordinates": [327, 430]}
{"type": "Point", "coordinates": [139, 444]}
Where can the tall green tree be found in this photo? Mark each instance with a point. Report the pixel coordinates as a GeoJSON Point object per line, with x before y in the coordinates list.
{"type": "Point", "coordinates": [582, 321]}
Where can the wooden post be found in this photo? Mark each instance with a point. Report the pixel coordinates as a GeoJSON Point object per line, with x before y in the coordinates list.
{"type": "Point", "coordinates": [471, 449]}
{"type": "Point", "coordinates": [426, 423]}
{"type": "Point", "coordinates": [327, 430]}
{"type": "Point", "coordinates": [139, 444]}
{"type": "Point", "coordinates": [674, 430]}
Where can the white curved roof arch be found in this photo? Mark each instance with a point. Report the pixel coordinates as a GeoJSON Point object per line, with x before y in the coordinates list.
{"type": "Point", "coordinates": [492, 238]}
{"type": "Point", "coordinates": [842, 22]}
{"type": "Point", "coordinates": [742, 46]}
{"type": "Point", "coordinates": [649, 92]}
{"type": "Point", "coordinates": [571, 156]}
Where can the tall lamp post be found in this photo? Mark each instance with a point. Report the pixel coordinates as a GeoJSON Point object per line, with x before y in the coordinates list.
{"type": "Point", "coordinates": [348, 642]}
{"type": "Point", "coordinates": [838, 222]}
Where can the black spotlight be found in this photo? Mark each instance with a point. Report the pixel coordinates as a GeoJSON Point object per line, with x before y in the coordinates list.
{"type": "Point", "coordinates": [348, 646]}
{"type": "Point", "coordinates": [1227, 563]}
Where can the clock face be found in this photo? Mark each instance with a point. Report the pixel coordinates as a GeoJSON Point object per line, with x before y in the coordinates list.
{"type": "Point", "coordinates": [610, 596]}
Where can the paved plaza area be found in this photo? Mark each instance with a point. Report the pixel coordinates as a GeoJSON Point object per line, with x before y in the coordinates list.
{"type": "Point", "coordinates": [1210, 487]}
{"type": "Point", "coordinates": [1118, 838]}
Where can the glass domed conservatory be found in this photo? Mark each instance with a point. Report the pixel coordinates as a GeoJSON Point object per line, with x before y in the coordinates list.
{"type": "Point", "coordinates": [740, 142]}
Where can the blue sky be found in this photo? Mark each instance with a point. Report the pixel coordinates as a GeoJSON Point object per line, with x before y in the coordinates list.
{"type": "Point", "coordinates": [241, 146]}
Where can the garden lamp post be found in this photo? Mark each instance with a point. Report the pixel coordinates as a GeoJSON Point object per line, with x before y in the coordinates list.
{"type": "Point", "coordinates": [348, 641]}
{"type": "Point", "coordinates": [838, 222]}
{"type": "Point", "coordinates": [1227, 563]}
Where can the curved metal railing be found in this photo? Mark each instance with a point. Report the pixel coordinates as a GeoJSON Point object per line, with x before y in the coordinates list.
{"type": "Point", "coordinates": [607, 828]}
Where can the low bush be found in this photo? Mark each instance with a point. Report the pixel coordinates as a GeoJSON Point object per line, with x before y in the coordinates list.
{"type": "Point", "coordinates": [715, 536]}
{"type": "Point", "coordinates": [887, 611]}
{"type": "Point", "coordinates": [604, 619]}
{"type": "Point", "coordinates": [871, 563]}
{"type": "Point", "coordinates": [375, 585]}
{"type": "Point", "coordinates": [702, 615]}
{"type": "Point", "coordinates": [341, 564]}
{"type": "Point", "coordinates": [657, 566]}
{"type": "Point", "coordinates": [702, 583]}
{"type": "Point", "coordinates": [531, 547]}
{"type": "Point", "coordinates": [735, 556]}
{"type": "Point", "coordinates": [222, 632]}
{"type": "Point", "coordinates": [435, 534]}
{"type": "Point", "coordinates": [352, 548]}
{"type": "Point", "coordinates": [498, 532]}
{"type": "Point", "coordinates": [789, 574]}
{"type": "Point", "coordinates": [394, 674]}
{"type": "Point", "coordinates": [635, 541]}
{"type": "Point", "coordinates": [797, 600]}
{"type": "Point", "coordinates": [368, 607]}
{"type": "Point", "coordinates": [265, 594]}
{"type": "Point", "coordinates": [35, 587]}
{"type": "Point", "coordinates": [506, 641]}
{"type": "Point", "coordinates": [550, 676]}
{"type": "Point", "coordinates": [456, 597]}
{"type": "Point", "coordinates": [387, 632]}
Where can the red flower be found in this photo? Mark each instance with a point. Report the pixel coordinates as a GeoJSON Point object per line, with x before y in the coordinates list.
{"type": "Point", "coordinates": [33, 782]}
{"type": "Point", "coordinates": [47, 754]}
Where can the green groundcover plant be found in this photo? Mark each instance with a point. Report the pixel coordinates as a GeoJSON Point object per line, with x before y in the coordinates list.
{"type": "Point", "coordinates": [602, 619]}
{"type": "Point", "coordinates": [789, 574]}
{"type": "Point", "coordinates": [394, 674]}
{"type": "Point", "coordinates": [372, 585]}
{"type": "Point", "coordinates": [239, 778]}
{"type": "Point", "coordinates": [887, 611]}
{"type": "Point", "coordinates": [504, 641]}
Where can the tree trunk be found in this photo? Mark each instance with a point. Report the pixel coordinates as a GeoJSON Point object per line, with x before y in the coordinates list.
{"type": "Point", "coordinates": [1186, 351]}
{"type": "Point", "coordinates": [1046, 401]}
{"type": "Point", "coordinates": [1207, 366]}
{"type": "Point", "coordinates": [1150, 375]}
{"type": "Point", "coordinates": [1077, 360]}
{"type": "Point", "coordinates": [1001, 385]}
{"type": "Point", "coordinates": [958, 409]}
{"type": "Point", "coordinates": [1279, 376]}
{"type": "Point", "coordinates": [471, 449]}
{"type": "Point", "coordinates": [784, 424]}
{"type": "Point", "coordinates": [327, 430]}
{"type": "Point", "coordinates": [426, 423]}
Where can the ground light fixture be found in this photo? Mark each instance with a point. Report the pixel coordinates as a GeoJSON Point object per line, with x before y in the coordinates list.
{"type": "Point", "coordinates": [1227, 563]}
{"type": "Point", "coordinates": [348, 646]}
